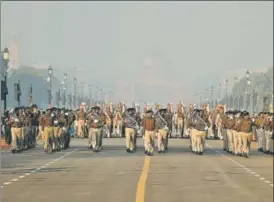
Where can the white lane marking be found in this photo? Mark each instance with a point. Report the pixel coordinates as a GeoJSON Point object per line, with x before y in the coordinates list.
{"type": "Point", "coordinates": [240, 165]}
{"type": "Point", "coordinates": [38, 169]}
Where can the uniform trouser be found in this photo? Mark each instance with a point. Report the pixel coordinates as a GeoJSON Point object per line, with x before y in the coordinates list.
{"type": "Point", "coordinates": [180, 126]}
{"type": "Point", "coordinates": [25, 136]}
{"type": "Point", "coordinates": [230, 139]}
{"type": "Point", "coordinates": [189, 131]}
{"type": "Point", "coordinates": [162, 137]}
{"type": "Point", "coordinates": [29, 136]}
{"type": "Point", "coordinates": [149, 140]}
{"type": "Point", "coordinates": [95, 138]}
{"type": "Point", "coordinates": [34, 133]}
{"type": "Point", "coordinates": [80, 132]}
{"type": "Point", "coordinates": [237, 142]}
{"type": "Point", "coordinates": [221, 132]}
{"type": "Point", "coordinates": [16, 138]}
{"type": "Point", "coordinates": [261, 137]}
{"type": "Point", "coordinates": [48, 133]}
{"type": "Point", "coordinates": [108, 128]}
{"type": "Point", "coordinates": [210, 130]}
{"type": "Point", "coordinates": [60, 137]}
{"type": "Point", "coordinates": [267, 135]}
{"type": "Point", "coordinates": [118, 128]}
{"type": "Point", "coordinates": [198, 137]}
{"type": "Point", "coordinates": [56, 130]}
{"type": "Point", "coordinates": [130, 138]}
{"type": "Point", "coordinates": [246, 140]}
{"type": "Point", "coordinates": [40, 134]}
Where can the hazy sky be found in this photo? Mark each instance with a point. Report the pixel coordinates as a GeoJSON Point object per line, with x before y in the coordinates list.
{"type": "Point", "coordinates": [193, 41]}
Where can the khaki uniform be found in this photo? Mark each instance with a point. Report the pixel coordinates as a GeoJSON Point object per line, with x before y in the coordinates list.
{"type": "Point", "coordinates": [24, 130]}
{"type": "Point", "coordinates": [16, 136]}
{"type": "Point", "coordinates": [118, 123]}
{"type": "Point", "coordinates": [246, 135]}
{"type": "Point", "coordinates": [48, 130]}
{"type": "Point", "coordinates": [259, 124]}
{"type": "Point", "coordinates": [109, 119]}
{"type": "Point", "coordinates": [180, 122]}
{"type": "Point", "coordinates": [268, 124]}
{"type": "Point", "coordinates": [237, 137]}
{"type": "Point", "coordinates": [130, 138]}
{"type": "Point", "coordinates": [229, 125]}
{"type": "Point", "coordinates": [95, 132]}
{"type": "Point", "coordinates": [149, 126]}
{"type": "Point", "coordinates": [81, 123]}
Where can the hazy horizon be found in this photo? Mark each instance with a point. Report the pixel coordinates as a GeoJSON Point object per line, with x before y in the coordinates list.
{"type": "Point", "coordinates": [187, 46]}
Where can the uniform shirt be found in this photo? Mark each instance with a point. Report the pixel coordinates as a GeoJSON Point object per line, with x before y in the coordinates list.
{"type": "Point", "coordinates": [230, 123]}
{"type": "Point", "coordinates": [81, 115]}
{"type": "Point", "coordinates": [149, 123]}
{"type": "Point", "coordinates": [246, 125]}
{"type": "Point", "coordinates": [47, 121]}
{"type": "Point", "coordinates": [100, 123]}
{"type": "Point", "coordinates": [259, 122]}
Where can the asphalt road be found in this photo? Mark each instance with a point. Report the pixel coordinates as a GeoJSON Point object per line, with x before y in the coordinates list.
{"type": "Point", "coordinates": [79, 175]}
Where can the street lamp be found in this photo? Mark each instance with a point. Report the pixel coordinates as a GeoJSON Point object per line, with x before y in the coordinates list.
{"type": "Point", "coordinates": [6, 57]}
{"type": "Point", "coordinates": [248, 83]}
{"type": "Point", "coordinates": [65, 89]}
{"type": "Point", "coordinates": [50, 71]}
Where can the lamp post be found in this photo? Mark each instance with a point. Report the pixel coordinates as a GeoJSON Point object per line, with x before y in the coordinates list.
{"type": "Point", "coordinates": [74, 92]}
{"type": "Point", "coordinates": [248, 82]}
{"type": "Point", "coordinates": [50, 71]}
{"type": "Point", "coordinates": [219, 93]}
{"type": "Point", "coordinates": [206, 96]}
{"type": "Point", "coordinates": [6, 57]}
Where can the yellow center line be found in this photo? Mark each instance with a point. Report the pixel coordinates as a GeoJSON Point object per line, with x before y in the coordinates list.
{"type": "Point", "coordinates": [141, 187]}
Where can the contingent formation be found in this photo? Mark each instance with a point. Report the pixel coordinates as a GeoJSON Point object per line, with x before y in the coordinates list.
{"type": "Point", "coordinates": [155, 123]}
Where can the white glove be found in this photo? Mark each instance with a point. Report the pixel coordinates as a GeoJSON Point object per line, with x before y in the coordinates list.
{"type": "Point", "coordinates": [55, 122]}
{"type": "Point", "coordinates": [206, 128]}
{"type": "Point", "coordinates": [52, 115]}
{"type": "Point", "coordinates": [166, 128]}
{"type": "Point", "coordinates": [16, 120]}
{"type": "Point", "coordinates": [95, 121]}
{"type": "Point", "coordinates": [66, 113]}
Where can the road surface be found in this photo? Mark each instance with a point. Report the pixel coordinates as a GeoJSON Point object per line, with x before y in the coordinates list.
{"type": "Point", "coordinates": [79, 175]}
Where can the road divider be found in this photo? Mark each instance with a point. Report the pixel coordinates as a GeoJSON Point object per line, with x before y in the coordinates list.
{"type": "Point", "coordinates": [141, 186]}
